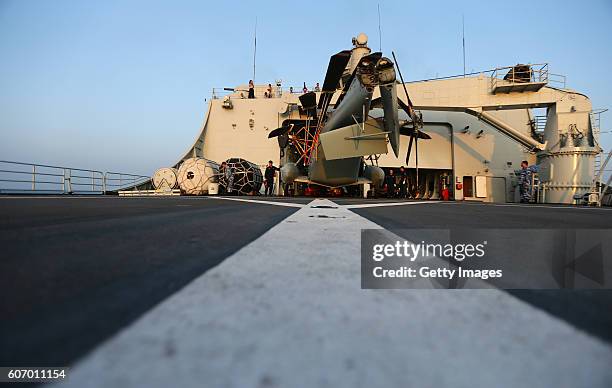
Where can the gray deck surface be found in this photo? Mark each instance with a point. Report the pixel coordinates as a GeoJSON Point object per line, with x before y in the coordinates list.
{"type": "Point", "coordinates": [75, 270]}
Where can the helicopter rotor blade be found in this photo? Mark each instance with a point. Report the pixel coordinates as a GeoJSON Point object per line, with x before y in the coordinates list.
{"type": "Point", "coordinates": [279, 131]}
{"type": "Point", "coordinates": [409, 150]}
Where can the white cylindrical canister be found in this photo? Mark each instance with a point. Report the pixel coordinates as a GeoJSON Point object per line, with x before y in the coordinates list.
{"type": "Point", "coordinates": [165, 178]}
{"type": "Point", "coordinates": [196, 174]}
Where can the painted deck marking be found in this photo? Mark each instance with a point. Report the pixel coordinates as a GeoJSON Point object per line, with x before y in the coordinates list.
{"type": "Point", "coordinates": [287, 310]}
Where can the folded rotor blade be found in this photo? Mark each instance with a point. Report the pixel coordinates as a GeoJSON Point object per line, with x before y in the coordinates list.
{"type": "Point", "coordinates": [389, 103]}
{"type": "Point", "coordinates": [409, 131]}
{"type": "Point", "coordinates": [337, 64]}
{"type": "Point", "coordinates": [278, 132]}
{"type": "Point", "coordinates": [309, 103]}
{"type": "Point", "coordinates": [409, 150]}
{"type": "Point", "coordinates": [410, 112]}
{"type": "Point", "coordinates": [308, 100]}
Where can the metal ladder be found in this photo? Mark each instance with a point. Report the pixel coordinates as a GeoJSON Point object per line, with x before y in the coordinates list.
{"type": "Point", "coordinates": [596, 128]}
{"type": "Point", "coordinates": [596, 193]}
{"type": "Point", "coordinates": [595, 121]}
{"type": "Point", "coordinates": [536, 195]}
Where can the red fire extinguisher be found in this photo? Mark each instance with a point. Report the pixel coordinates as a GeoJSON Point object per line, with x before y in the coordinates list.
{"type": "Point", "coordinates": [445, 194]}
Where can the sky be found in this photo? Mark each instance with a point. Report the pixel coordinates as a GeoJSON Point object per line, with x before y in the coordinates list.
{"type": "Point", "coordinates": [123, 85]}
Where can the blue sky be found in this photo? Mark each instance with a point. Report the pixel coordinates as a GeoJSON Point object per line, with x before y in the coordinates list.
{"type": "Point", "coordinates": [121, 85]}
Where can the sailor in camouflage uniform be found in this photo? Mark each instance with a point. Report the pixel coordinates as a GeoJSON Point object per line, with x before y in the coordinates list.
{"type": "Point", "coordinates": [227, 178]}
{"type": "Point", "coordinates": [525, 181]}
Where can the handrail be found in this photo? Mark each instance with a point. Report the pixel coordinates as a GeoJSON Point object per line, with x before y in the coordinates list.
{"type": "Point", "coordinates": [126, 181]}
{"type": "Point", "coordinates": [540, 72]}
{"type": "Point", "coordinates": [260, 91]}
{"type": "Point", "coordinates": [46, 165]}
{"type": "Point", "coordinates": [22, 177]}
{"type": "Point", "coordinates": [536, 73]}
{"type": "Point", "coordinates": [221, 92]}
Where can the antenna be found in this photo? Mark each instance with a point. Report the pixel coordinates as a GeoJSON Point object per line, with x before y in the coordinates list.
{"type": "Point", "coordinates": [463, 39]}
{"type": "Point", "coordinates": [379, 30]}
{"type": "Point", "coordinates": [255, 50]}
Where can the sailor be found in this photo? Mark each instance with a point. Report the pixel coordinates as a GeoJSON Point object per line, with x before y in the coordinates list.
{"type": "Point", "coordinates": [390, 184]}
{"type": "Point", "coordinates": [227, 178]}
{"type": "Point", "coordinates": [525, 181]}
{"type": "Point", "coordinates": [402, 182]}
{"type": "Point", "coordinates": [317, 88]}
{"type": "Point", "coordinates": [288, 191]}
{"type": "Point", "coordinates": [251, 89]}
{"type": "Point", "coordinates": [269, 174]}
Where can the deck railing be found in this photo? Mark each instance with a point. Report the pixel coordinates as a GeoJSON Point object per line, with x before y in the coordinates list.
{"type": "Point", "coordinates": [529, 73]}
{"type": "Point", "coordinates": [260, 91]}
{"type": "Point", "coordinates": [115, 181]}
{"type": "Point", "coordinates": [33, 178]}
{"type": "Point", "coordinates": [537, 73]}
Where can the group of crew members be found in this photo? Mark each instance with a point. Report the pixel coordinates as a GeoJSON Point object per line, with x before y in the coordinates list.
{"type": "Point", "coordinates": [395, 185]}
{"type": "Point", "coordinates": [399, 185]}
{"type": "Point", "coordinates": [269, 93]}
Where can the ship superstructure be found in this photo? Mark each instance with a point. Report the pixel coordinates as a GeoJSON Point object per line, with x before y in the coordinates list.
{"type": "Point", "coordinates": [477, 128]}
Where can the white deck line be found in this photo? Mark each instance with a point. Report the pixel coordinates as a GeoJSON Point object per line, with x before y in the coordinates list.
{"type": "Point", "coordinates": [288, 310]}
{"type": "Point", "coordinates": [384, 204]}
{"type": "Point", "coordinates": [275, 203]}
